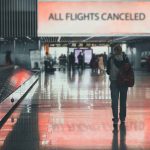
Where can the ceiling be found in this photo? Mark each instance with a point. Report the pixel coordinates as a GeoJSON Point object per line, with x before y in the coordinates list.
{"type": "Point", "coordinates": [83, 40]}
{"type": "Point", "coordinates": [101, 40]}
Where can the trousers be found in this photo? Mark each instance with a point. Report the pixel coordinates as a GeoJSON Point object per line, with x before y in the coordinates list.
{"type": "Point", "coordinates": [116, 93]}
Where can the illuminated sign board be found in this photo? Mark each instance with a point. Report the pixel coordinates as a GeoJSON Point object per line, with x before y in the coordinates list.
{"type": "Point", "coordinates": [93, 18]}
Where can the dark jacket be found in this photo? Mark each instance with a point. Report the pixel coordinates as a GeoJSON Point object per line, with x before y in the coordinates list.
{"type": "Point", "coordinates": [117, 63]}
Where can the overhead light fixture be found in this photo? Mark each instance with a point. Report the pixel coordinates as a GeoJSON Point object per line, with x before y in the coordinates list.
{"type": "Point", "coordinates": [73, 44]}
{"type": "Point", "coordinates": [119, 39]}
{"type": "Point", "coordinates": [88, 44]}
{"type": "Point", "coordinates": [1, 39]}
{"type": "Point", "coordinates": [88, 38]}
{"type": "Point", "coordinates": [80, 44]}
{"type": "Point", "coordinates": [59, 39]}
{"type": "Point", "coordinates": [28, 37]}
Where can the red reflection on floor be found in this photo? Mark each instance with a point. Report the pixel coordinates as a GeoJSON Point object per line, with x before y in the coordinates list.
{"type": "Point", "coordinates": [20, 77]}
{"type": "Point", "coordinates": [63, 120]}
{"type": "Point", "coordinates": [85, 123]}
{"type": "Point", "coordinates": [71, 127]}
{"type": "Point", "coordinates": [91, 128]}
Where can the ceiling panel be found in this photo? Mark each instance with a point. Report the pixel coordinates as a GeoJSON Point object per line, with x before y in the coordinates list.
{"type": "Point", "coordinates": [73, 39]}
{"type": "Point", "coordinates": [95, 39]}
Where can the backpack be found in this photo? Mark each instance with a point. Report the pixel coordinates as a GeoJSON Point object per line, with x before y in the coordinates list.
{"type": "Point", "coordinates": [126, 75]}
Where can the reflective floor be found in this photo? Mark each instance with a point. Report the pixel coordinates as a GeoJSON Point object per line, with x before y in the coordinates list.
{"type": "Point", "coordinates": [10, 79]}
{"type": "Point", "coordinates": [72, 111]}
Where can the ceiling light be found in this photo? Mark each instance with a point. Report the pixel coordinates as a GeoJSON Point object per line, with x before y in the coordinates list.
{"type": "Point", "coordinates": [28, 37]}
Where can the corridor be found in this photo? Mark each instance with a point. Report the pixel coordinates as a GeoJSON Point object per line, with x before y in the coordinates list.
{"type": "Point", "coordinates": [72, 111]}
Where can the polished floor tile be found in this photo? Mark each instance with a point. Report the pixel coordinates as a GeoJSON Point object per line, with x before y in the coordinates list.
{"type": "Point", "coordinates": [72, 111]}
{"type": "Point", "coordinates": [10, 79]}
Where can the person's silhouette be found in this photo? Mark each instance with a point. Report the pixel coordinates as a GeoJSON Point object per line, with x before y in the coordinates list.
{"type": "Point", "coordinates": [115, 145]}
{"type": "Point", "coordinates": [123, 137]}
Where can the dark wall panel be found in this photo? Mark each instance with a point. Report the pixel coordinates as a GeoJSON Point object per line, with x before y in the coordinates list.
{"type": "Point", "coordinates": [21, 54]}
{"type": "Point", "coordinates": [18, 18]}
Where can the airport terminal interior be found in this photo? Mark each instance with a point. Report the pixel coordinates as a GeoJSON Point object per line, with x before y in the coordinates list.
{"type": "Point", "coordinates": [49, 101]}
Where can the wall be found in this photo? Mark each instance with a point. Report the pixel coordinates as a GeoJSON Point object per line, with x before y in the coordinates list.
{"type": "Point", "coordinates": [137, 49]}
{"type": "Point", "coordinates": [21, 54]}
{"type": "Point", "coordinates": [18, 18]}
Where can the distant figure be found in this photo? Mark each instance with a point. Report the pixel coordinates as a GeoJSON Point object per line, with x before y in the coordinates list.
{"type": "Point", "coordinates": [148, 63]}
{"type": "Point", "coordinates": [36, 65]}
{"type": "Point", "coordinates": [55, 60]}
{"type": "Point", "coordinates": [71, 62]}
{"type": "Point", "coordinates": [62, 61]}
{"type": "Point", "coordinates": [94, 63]}
{"type": "Point", "coordinates": [105, 59]}
{"type": "Point", "coordinates": [8, 58]}
{"type": "Point", "coordinates": [80, 61]}
{"type": "Point", "coordinates": [101, 64]}
{"type": "Point", "coordinates": [46, 61]}
{"type": "Point", "coordinates": [51, 62]}
{"type": "Point", "coordinates": [115, 62]}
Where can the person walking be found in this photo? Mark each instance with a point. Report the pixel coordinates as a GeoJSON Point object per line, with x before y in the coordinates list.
{"type": "Point", "coordinates": [71, 63]}
{"type": "Point", "coordinates": [105, 59]}
{"type": "Point", "coordinates": [114, 63]}
{"type": "Point", "coordinates": [101, 64]}
{"type": "Point", "coordinates": [80, 61]}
